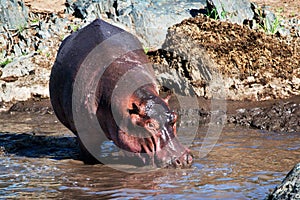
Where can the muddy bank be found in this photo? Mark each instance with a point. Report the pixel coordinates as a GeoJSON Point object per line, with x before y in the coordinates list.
{"type": "Point", "coordinates": [282, 115]}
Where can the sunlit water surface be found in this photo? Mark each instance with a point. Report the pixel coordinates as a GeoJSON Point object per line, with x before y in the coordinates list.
{"type": "Point", "coordinates": [244, 164]}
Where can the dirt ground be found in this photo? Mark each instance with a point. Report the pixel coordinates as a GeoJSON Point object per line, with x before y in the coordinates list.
{"type": "Point", "coordinates": [284, 8]}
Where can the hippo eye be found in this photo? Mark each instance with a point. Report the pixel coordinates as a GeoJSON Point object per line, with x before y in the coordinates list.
{"type": "Point", "coordinates": [152, 125]}
{"type": "Point", "coordinates": [172, 118]}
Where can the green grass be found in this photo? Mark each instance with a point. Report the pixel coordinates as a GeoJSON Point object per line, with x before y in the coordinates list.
{"type": "Point", "coordinates": [146, 49]}
{"type": "Point", "coordinates": [35, 20]}
{"type": "Point", "coordinates": [274, 26]}
{"type": "Point", "coordinates": [5, 62]}
{"type": "Point", "coordinates": [75, 27]}
{"type": "Point", "coordinates": [21, 28]}
{"type": "Point", "coordinates": [212, 13]}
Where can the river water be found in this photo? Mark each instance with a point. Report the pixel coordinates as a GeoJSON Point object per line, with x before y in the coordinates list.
{"type": "Point", "coordinates": [38, 159]}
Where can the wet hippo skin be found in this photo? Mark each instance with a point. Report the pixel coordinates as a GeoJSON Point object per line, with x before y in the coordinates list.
{"type": "Point", "coordinates": [140, 121]}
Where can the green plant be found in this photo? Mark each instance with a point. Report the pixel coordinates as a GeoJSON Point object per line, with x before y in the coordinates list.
{"type": "Point", "coordinates": [224, 14]}
{"type": "Point", "coordinates": [5, 62]}
{"type": "Point", "coordinates": [271, 27]}
{"type": "Point", "coordinates": [21, 28]}
{"type": "Point", "coordinates": [146, 49]}
{"type": "Point", "coordinates": [212, 13]}
{"type": "Point", "coordinates": [74, 27]}
{"type": "Point", "coordinates": [293, 14]}
{"type": "Point", "coordinates": [35, 20]}
{"type": "Point", "coordinates": [275, 25]}
{"type": "Point", "coordinates": [39, 51]}
{"type": "Point", "coordinates": [62, 37]}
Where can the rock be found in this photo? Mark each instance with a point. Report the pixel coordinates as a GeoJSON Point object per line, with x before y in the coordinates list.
{"type": "Point", "coordinates": [23, 79]}
{"type": "Point", "coordinates": [236, 11]}
{"type": "Point", "coordinates": [280, 117]}
{"type": "Point", "coordinates": [148, 20]}
{"type": "Point", "coordinates": [289, 188]}
{"type": "Point", "coordinates": [271, 22]}
{"type": "Point", "coordinates": [151, 22]}
{"type": "Point", "coordinates": [19, 67]}
{"type": "Point", "coordinates": [173, 80]}
{"type": "Point", "coordinates": [17, 50]}
{"type": "Point", "coordinates": [3, 41]}
{"type": "Point", "coordinates": [193, 61]}
{"type": "Point", "coordinates": [46, 6]}
{"type": "Point", "coordinates": [13, 13]}
{"type": "Point", "coordinates": [283, 31]}
{"type": "Point", "coordinates": [43, 34]}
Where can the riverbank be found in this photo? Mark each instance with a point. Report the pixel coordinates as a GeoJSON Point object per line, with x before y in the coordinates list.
{"type": "Point", "coordinates": [279, 115]}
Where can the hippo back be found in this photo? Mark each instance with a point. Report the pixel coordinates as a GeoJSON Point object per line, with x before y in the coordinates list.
{"type": "Point", "coordinates": [72, 52]}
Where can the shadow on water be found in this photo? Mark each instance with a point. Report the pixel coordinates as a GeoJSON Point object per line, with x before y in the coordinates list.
{"type": "Point", "coordinates": [39, 159]}
{"type": "Point", "coordinates": [39, 146]}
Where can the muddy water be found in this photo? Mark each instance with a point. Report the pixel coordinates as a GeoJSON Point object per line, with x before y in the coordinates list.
{"type": "Point", "coordinates": [39, 159]}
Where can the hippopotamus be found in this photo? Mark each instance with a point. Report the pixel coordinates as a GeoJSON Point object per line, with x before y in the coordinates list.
{"type": "Point", "coordinates": [137, 120]}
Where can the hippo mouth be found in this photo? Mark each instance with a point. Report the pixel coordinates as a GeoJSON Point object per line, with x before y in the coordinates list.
{"type": "Point", "coordinates": [171, 155]}
{"type": "Point", "coordinates": [153, 151]}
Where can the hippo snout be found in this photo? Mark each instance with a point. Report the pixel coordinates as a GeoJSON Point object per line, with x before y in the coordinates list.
{"type": "Point", "coordinates": [183, 161]}
{"type": "Point", "coordinates": [166, 159]}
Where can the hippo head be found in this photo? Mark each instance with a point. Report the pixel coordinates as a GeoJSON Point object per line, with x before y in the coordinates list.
{"type": "Point", "coordinates": [151, 131]}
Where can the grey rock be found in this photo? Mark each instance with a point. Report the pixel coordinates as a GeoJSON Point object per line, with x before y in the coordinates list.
{"type": "Point", "coordinates": [13, 13]}
{"type": "Point", "coordinates": [3, 40]}
{"type": "Point", "coordinates": [43, 25]}
{"type": "Point", "coordinates": [28, 41]}
{"type": "Point", "coordinates": [173, 80]}
{"type": "Point", "coordinates": [148, 20]}
{"type": "Point", "coordinates": [236, 11]}
{"type": "Point", "coordinates": [289, 188]}
{"type": "Point", "coordinates": [43, 34]}
{"type": "Point", "coordinates": [152, 21]}
{"type": "Point", "coordinates": [18, 67]}
{"type": "Point", "coordinates": [193, 62]}
{"type": "Point", "coordinates": [17, 50]}
{"type": "Point", "coordinates": [283, 31]}
{"type": "Point", "coordinates": [22, 45]}
{"type": "Point", "coordinates": [22, 78]}
{"type": "Point", "coordinates": [58, 25]}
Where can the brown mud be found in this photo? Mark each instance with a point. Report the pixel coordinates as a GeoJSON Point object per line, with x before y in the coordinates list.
{"type": "Point", "coordinates": [281, 115]}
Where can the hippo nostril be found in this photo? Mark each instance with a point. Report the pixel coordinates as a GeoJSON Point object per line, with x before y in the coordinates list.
{"type": "Point", "coordinates": [177, 163]}
{"type": "Point", "coordinates": [189, 159]}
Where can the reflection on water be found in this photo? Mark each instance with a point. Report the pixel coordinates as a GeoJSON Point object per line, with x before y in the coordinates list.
{"type": "Point", "coordinates": [244, 164]}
